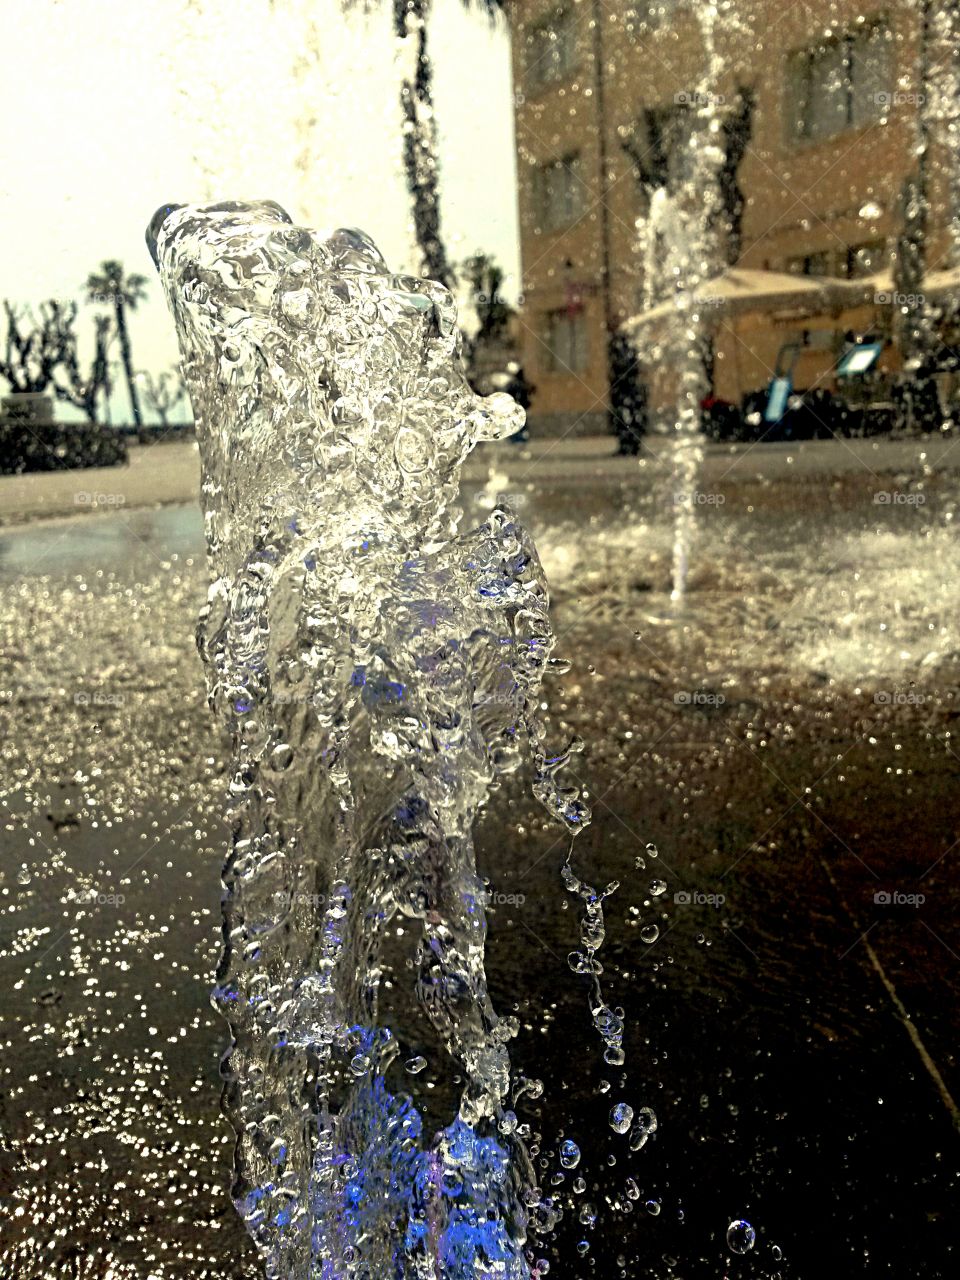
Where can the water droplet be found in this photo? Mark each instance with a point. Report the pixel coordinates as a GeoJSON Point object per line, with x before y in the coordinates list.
{"type": "Point", "coordinates": [508, 1122]}
{"type": "Point", "coordinates": [741, 1237]}
{"type": "Point", "coordinates": [650, 933]}
{"type": "Point", "coordinates": [657, 887]}
{"type": "Point", "coordinates": [24, 876]}
{"type": "Point", "coordinates": [413, 1066]}
{"type": "Point", "coordinates": [360, 1065]}
{"type": "Point", "coordinates": [588, 1214]}
{"type": "Point", "coordinates": [621, 1117]}
{"type": "Point", "coordinates": [569, 1154]}
{"type": "Point", "coordinates": [652, 1207]}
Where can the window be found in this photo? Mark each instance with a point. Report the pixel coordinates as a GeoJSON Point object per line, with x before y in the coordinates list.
{"type": "Point", "coordinates": [558, 193]}
{"type": "Point", "coordinates": [866, 259]}
{"type": "Point", "coordinates": [565, 335]}
{"type": "Point", "coordinates": [552, 50]}
{"type": "Point", "coordinates": [840, 85]}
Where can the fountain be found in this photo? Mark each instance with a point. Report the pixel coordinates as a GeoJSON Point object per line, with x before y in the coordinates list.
{"type": "Point", "coordinates": [377, 671]}
{"type": "Point", "coordinates": [681, 251]}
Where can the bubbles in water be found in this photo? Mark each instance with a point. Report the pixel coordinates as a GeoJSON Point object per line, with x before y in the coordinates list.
{"type": "Point", "coordinates": [741, 1237]}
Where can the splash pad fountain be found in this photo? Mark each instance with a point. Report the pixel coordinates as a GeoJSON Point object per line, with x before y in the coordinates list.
{"type": "Point", "coordinates": [377, 671]}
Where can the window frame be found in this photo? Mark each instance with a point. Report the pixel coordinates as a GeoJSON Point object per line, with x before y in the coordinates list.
{"type": "Point", "coordinates": [553, 362]}
{"type": "Point", "coordinates": [541, 72]}
{"type": "Point", "coordinates": [542, 200]}
{"type": "Point", "coordinates": [801, 85]}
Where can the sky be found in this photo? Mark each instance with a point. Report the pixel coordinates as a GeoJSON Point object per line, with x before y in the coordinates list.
{"type": "Point", "coordinates": [113, 107]}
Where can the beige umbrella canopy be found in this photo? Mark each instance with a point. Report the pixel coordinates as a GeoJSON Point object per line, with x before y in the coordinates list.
{"type": "Point", "coordinates": [739, 290]}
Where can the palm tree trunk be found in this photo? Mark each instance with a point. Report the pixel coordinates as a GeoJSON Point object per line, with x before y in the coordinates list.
{"type": "Point", "coordinates": [420, 141]}
{"type": "Point", "coordinates": [127, 362]}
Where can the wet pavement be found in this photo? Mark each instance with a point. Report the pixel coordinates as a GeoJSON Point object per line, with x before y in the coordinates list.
{"type": "Point", "coordinates": [788, 743]}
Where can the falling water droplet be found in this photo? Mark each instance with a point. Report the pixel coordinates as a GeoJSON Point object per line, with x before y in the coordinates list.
{"type": "Point", "coordinates": [413, 1066]}
{"type": "Point", "coordinates": [621, 1117]}
{"type": "Point", "coordinates": [741, 1237]}
{"type": "Point", "coordinates": [650, 933]}
{"type": "Point", "coordinates": [569, 1154]}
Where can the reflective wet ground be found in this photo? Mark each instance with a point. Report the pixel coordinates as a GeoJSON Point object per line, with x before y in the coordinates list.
{"type": "Point", "coordinates": [787, 741]}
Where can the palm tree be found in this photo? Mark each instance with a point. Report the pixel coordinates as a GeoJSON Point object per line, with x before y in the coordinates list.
{"type": "Point", "coordinates": [420, 161]}
{"type": "Point", "coordinates": [112, 287]}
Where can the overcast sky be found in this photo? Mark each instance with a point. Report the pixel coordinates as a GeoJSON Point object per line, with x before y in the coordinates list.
{"type": "Point", "coordinates": [113, 107]}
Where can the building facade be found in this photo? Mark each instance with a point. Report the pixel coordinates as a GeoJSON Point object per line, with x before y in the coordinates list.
{"type": "Point", "coordinates": [823, 107]}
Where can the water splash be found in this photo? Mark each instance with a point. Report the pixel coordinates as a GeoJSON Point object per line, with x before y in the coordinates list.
{"type": "Point", "coordinates": [377, 671]}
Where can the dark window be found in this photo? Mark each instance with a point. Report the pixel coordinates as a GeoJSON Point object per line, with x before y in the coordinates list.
{"type": "Point", "coordinates": [552, 49]}
{"type": "Point", "coordinates": [558, 193]}
{"type": "Point", "coordinates": [840, 85]}
{"type": "Point", "coordinates": [566, 340]}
